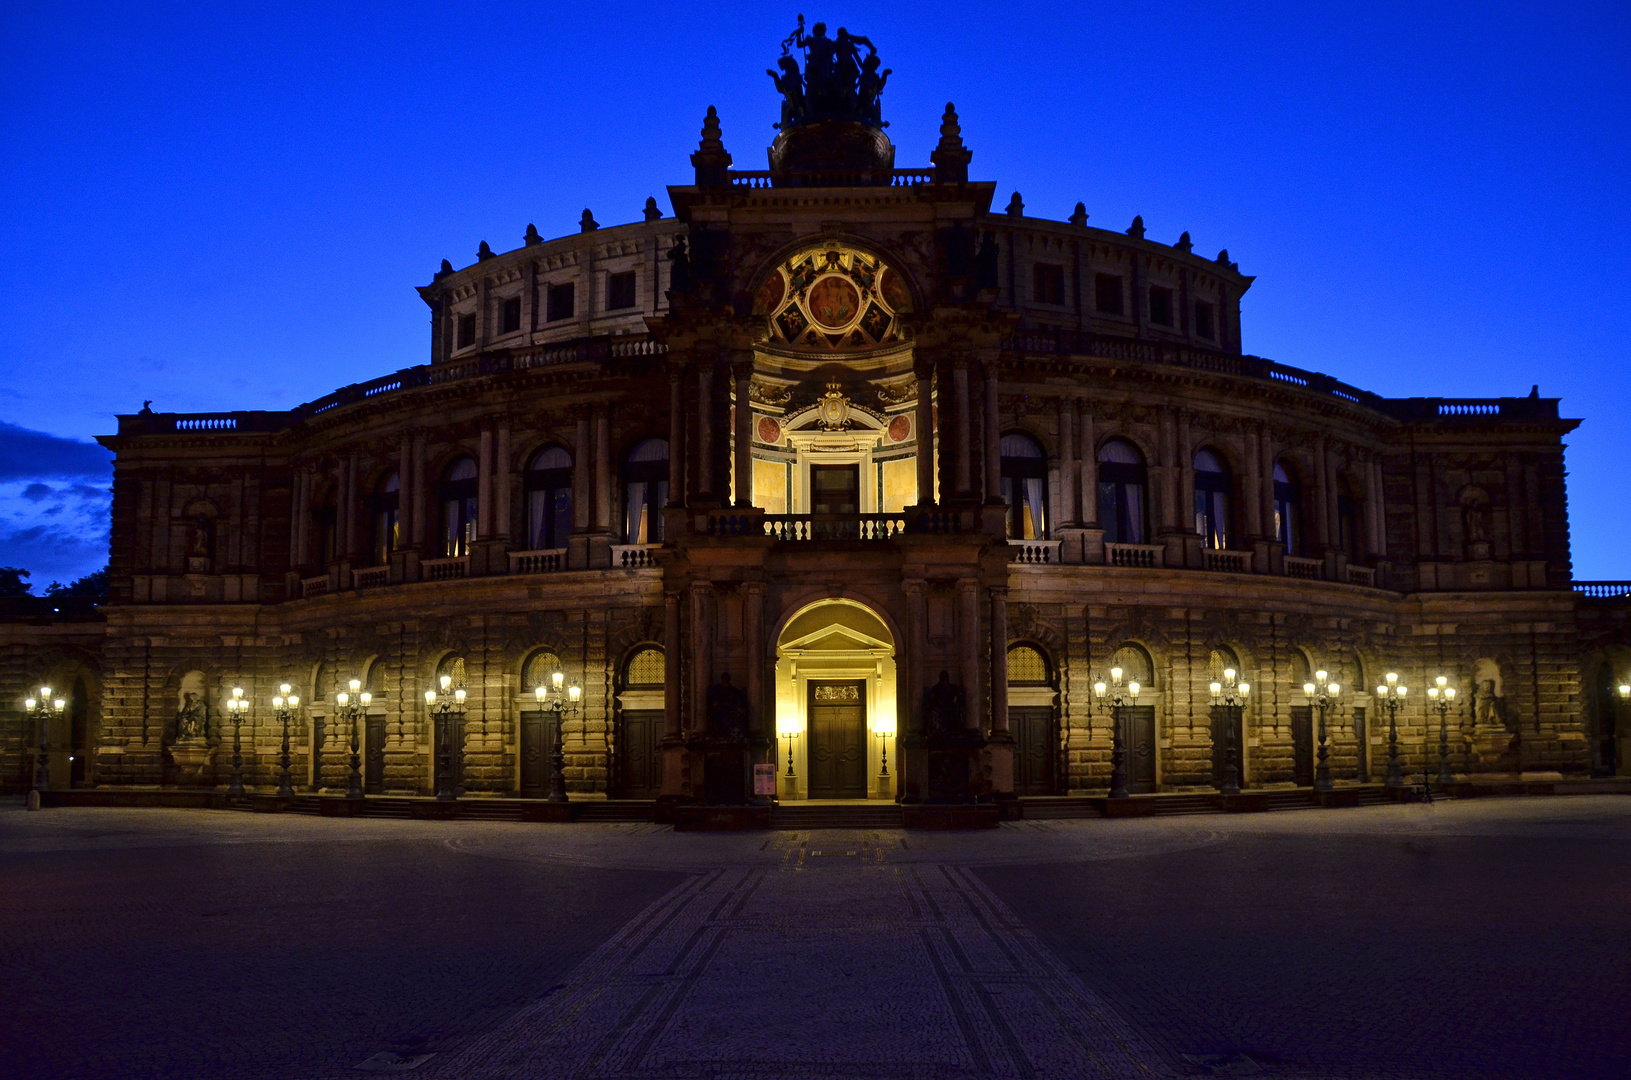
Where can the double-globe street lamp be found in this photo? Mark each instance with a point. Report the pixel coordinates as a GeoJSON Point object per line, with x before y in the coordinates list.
{"type": "Point", "coordinates": [1230, 696]}
{"type": "Point", "coordinates": [1391, 696]}
{"type": "Point", "coordinates": [353, 705]}
{"type": "Point", "coordinates": [1116, 697]}
{"type": "Point", "coordinates": [1322, 694]}
{"type": "Point", "coordinates": [1441, 698]}
{"type": "Point", "coordinates": [447, 713]}
{"type": "Point", "coordinates": [567, 701]}
{"type": "Point", "coordinates": [237, 707]}
{"type": "Point", "coordinates": [287, 706]}
{"type": "Point", "coordinates": [42, 709]}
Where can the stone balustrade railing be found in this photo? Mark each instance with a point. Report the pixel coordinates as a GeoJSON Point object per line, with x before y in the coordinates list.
{"type": "Point", "coordinates": [1035, 552]}
{"type": "Point", "coordinates": [445, 569]}
{"type": "Point", "coordinates": [542, 561]}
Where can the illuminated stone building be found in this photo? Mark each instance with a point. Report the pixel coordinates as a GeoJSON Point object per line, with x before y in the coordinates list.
{"type": "Point", "coordinates": [831, 430]}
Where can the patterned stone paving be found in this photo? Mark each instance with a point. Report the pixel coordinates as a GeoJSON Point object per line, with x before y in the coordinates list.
{"type": "Point", "coordinates": [836, 962]}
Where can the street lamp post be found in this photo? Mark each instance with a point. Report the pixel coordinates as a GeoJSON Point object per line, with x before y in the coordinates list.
{"type": "Point", "coordinates": [1321, 694]}
{"type": "Point", "coordinates": [445, 711]}
{"type": "Point", "coordinates": [1232, 697]}
{"type": "Point", "coordinates": [288, 707]}
{"type": "Point", "coordinates": [567, 705]}
{"type": "Point", "coordinates": [791, 734]}
{"type": "Point", "coordinates": [1116, 697]}
{"type": "Point", "coordinates": [237, 705]}
{"type": "Point", "coordinates": [1440, 698]}
{"type": "Point", "coordinates": [354, 705]}
{"type": "Point", "coordinates": [884, 730]}
{"type": "Point", "coordinates": [42, 709]}
{"type": "Point", "coordinates": [1391, 695]}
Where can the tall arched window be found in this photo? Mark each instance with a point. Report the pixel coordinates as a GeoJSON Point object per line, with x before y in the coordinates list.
{"type": "Point", "coordinates": [453, 668]}
{"type": "Point", "coordinates": [1347, 519]}
{"type": "Point", "coordinates": [645, 492]}
{"type": "Point", "coordinates": [538, 669]}
{"type": "Point", "coordinates": [387, 519]}
{"type": "Point", "coordinates": [457, 493]}
{"type": "Point", "coordinates": [1135, 664]}
{"type": "Point", "coordinates": [1288, 510]}
{"type": "Point", "coordinates": [549, 499]}
{"type": "Point", "coordinates": [1024, 487]}
{"type": "Point", "coordinates": [1122, 483]}
{"type": "Point", "coordinates": [1212, 500]}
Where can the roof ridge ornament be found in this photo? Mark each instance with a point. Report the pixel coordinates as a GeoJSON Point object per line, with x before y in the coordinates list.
{"type": "Point", "coordinates": [711, 161]}
{"type": "Point", "coordinates": [950, 158]}
{"type": "Point", "coordinates": [837, 82]}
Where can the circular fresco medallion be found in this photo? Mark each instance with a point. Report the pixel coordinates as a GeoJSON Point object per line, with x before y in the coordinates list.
{"type": "Point", "coordinates": [770, 294]}
{"type": "Point", "coordinates": [769, 430]}
{"type": "Point", "coordinates": [834, 302]}
{"type": "Point", "coordinates": [900, 428]}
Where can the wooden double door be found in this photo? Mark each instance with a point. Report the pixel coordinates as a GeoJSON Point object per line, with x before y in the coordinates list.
{"type": "Point", "coordinates": [640, 763]}
{"type": "Point", "coordinates": [837, 751]}
{"type": "Point", "coordinates": [1036, 748]}
{"type": "Point", "coordinates": [1138, 743]}
{"type": "Point", "coordinates": [1302, 745]}
{"type": "Point", "coordinates": [373, 756]}
{"type": "Point", "coordinates": [537, 743]}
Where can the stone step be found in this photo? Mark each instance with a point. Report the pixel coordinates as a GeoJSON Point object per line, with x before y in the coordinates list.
{"type": "Point", "coordinates": [617, 810]}
{"type": "Point", "coordinates": [860, 816]}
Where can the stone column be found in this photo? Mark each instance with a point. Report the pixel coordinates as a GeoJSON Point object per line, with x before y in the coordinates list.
{"type": "Point", "coordinates": [702, 653]}
{"type": "Point", "coordinates": [348, 507]}
{"type": "Point", "coordinates": [300, 518]}
{"type": "Point", "coordinates": [603, 468]}
{"type": "Point", "coordinates": [993, 435]}
{"type": "Point", "coordinates": [924, 429]}
{"type": "Point", "coordinates": [1090, 469]}
{"type": "Point", "coordinates": [1321, 492]}
{"type": "Point", "coordinates": [1252, 488]}
{"type": "Point", "coordinates": [676, 435]}
{"type": "Point", "coordinates": [1186, 473]}
{"type": "Point", "coordinates": [672, 711]}
{"type": "Point", "coordinates": [742, 373]}
{"type": "Point", "coordinates": [404, 489]}
{"type": "Point", "coordinates": [960, 409]}
{"type": "Point", "coordinates": [484, 486]}
{"type": "Point", "coordinates": [912, 677]}
{"type": "Point", "coordinates": [1169, 477]}
{"type": "Point", "coordinates": [968, 616]}
{"type": "Point", "coordinates": [1067, 513]}
{"type": "Point", "coordinates": [501, 482]}
{"type": "Point", "coordinates": [753, 604]}
{"type": "Point", "coordinates": [999, 660]}
{"type": "Point", "coordinates": [1376, 510]}
{"type": "Point", "coordinates": [705, 429]}
{"type": "Point", "coordinates": [418, 493]}
{"type": "Point", "coordinates": [1265, 450]}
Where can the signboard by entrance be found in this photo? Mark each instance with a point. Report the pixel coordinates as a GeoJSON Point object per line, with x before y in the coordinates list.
{"type": "Point", "coordinates": [764, 779]}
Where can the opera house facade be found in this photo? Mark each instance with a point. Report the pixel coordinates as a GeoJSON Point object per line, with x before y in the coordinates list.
{"type": "Point", "coordinates": [845, 470]}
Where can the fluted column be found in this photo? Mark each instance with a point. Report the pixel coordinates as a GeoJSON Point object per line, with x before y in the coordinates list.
{"type": "Point", "coordinates": [925, 432]}
{"type": "Point", "coordinates": [348, 506]}
{"type": "Point", "coordinates": [993, 436]}
{"type": "Point", "coordinates": [1089, 469]}
{"type": "Point", "coordinates": [501, 518]}
{"type": "Point", "coordinates": [603, 468]}
{"type": "Point", "coordinates": [701, 652]}
{"type": "Point", "coordinates": [404, 489]}
{"type": "Point", "coordinates": [1265, 451]}
{"type": "Point", "coordinates": [1186, 473]}
{"type": "Point", "coordinates": [1376, 510]}
{"type": "Point", "coordinates": [915, 674]}
{"type": "Point", "coordinates": [753, 604]}
{"type": "Point", "coordinates": [742, 373]}
{"type": "Point", "coordinates": [1252, 492]}
{"type": "Point", "coordinates": [960, 406]}
{"type": "Point", "coordinates": [1067, 513]}
{"type": "Point", "coordinates": [999, 660]}
{"type": "Point", "coordinates": [1318, 518]}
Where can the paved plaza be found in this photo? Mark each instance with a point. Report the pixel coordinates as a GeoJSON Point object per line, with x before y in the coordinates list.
{"type": "Point", "coordinates": [1487, 938]}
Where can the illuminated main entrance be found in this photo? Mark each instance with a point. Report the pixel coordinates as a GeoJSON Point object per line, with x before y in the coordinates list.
{"type": "Point", "coordinates": [835, 687]}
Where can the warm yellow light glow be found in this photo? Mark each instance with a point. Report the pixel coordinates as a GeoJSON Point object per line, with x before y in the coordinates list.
{"type": "Point", "coordinates": [1132, 688]}
{"type": "Point", "coordinates": [430, 697]}
{"type": "Point", "coordinates": [1217, 688]}
{"type": "Point", "coordinates": [884, 728]}
{"type": "Point", "coordinates": [1245, 688]}
{"type": "Point", "coordinates": [342, 698]}
{"type": "Point", "coordinates": [1320, 676]}
{"type": "Point", "coordinates": [61, 704]}
{"type": "Point", "coordinates": [447, 681]}
{"type": "Point", "coordinates": [1333, 689]}
{"type": "Point", "coordinates": [1115, 674]}
{"type": "Point", "coordinates": [1432, 692]}
{"type": "Point", "coordinates": [1392, 678]}
{"type": "Point", "coordinates": [237, 691]}
{"type": "Point", "coordinates": [367, 698]}
{"type": "Point", "coordinates": [1308, 689]}
{"type": "Point", "coordinates": [540, 692]}
{"type": "Point", "coordinates": [1449, 693]}
{"type": "Point", "coordinates": [1625, 691]}
{"type": "Point", "coordinates": [1228, 674]}
{"type": "Point", "coordinates": [1401, 691]}
{"type": "Point", "coordinates": [294, 701]}
{"type": "Point", "coordinates": [557, 678]}
{"type": "Point", "coordinates": [574, 692]}
{"type": "Point", "coordinates": [30, 703]}
{"type": "Point", "coordinates": [458, 695]}
{"type": "Point", "coordinates": [1099, 688]}
{"type": "Point", "coordinates": [45, 693]}
{"type": "Point", "coordinates": [356, 684]}
{"type": "Point", "coordinates": [277, 702]}
{"type": "Point", "coordinates": [284, 689]}
{"type": "Point", "coordinates": [1441, 680]}
{"type": "Point", "coordinates": [1381, 691]}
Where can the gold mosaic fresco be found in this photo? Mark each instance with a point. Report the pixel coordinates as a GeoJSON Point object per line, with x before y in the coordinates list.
{"type": "Point", "coordinates": [833, 298]}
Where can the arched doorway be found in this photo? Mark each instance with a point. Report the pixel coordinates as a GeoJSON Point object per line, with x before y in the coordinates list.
{"type": "Point", "coordinates": [1033, 720]}
{"type": "Point", "coordinates": [641, 703]}
{"type": "Point", "coordinates": [835, 691]}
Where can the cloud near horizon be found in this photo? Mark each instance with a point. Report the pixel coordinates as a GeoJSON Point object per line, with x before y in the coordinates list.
{"type": "Point", "coordinates": [54, 505]}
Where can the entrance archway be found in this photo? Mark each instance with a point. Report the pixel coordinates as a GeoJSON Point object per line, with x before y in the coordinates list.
{"type": "Point", "coordinates": [835, 687]}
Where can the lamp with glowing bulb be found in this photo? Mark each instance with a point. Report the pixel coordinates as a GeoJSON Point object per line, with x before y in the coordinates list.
{"type": "Point", "coordinates": [788, 729]}
{"type": "Point", "coordinates": [1391, 695]}
{"type": "Point", "coordinates": [42, 709]}
{"type": "Point", "coordinates": [287, 707]}
{"type": "Point", "coordinates": [353, 705]}
{"type": "Point", "coordinates": [1441, 698]}
{"type": "Point", "coordinates": [884, 730]}
{"type": "Point", "coordinates": [446, 710]}
{"type": "Point", "coordinates": [237, 708]}
{"type": "Point", "coordinates": [1116, 696]}
{"type": "Point", "coordinates": [568, 705]}
{"type": "Point", "coordinates": [1231, 696]}
{"type": "Point", "coordinates": [1322, 694]}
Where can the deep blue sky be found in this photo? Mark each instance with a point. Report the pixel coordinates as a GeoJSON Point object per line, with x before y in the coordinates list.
{"type": "Point", "coordinates": [222, 207]}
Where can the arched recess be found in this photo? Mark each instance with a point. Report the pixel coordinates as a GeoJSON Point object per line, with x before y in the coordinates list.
{"type": "Point", "coordinates": [1138, 720]}
{"type": "Point", "coordinates": [639, 723]}
{"type": "Point", "coordinates": [1033, 720]}
{"type": "Point", "coordinates": [1229, 724]}
{"type": "Point", "coordinates": [1608, 716]}
{"type": "Point", "coordinates": [71, 736]}
{"type": "Point", "coordinates": [836, 689]}
{"type": "Point", "coordinates": [536, 730]}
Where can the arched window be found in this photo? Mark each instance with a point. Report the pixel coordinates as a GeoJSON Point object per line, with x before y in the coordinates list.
{"type": "Point", "coordinates": [457, 493]}
{"type": "Point", "coordinates": [1347, 519]}
{"type": "Point", "coordinates": [645, 668]}
{"type": "Point", "coordinates": [1288, 510]}
{"type": "Point", "coordinates": [1212, 500]}
{"type": "Point", "coordinates": [1222, 659]}
{"type": "Point", "coordinates": [1122, 483]}
{"type": "Point", "coordinates": [319, 683]}
{"type": "Point", "coordinates": [549, 499]}
{"type": "Point", "coordinates": [1024, 487]}
{"type": "Point", "coordinates": [386, 519]}
{"type": "Point", "coordinates": [453, 668]}
{"type": "Point", "coordinates": [645, 492]}
{"type": "Point", "coordinates": [373, 677]}
{"type": "Point", "coordinates": [538, 669]}
{"type": "Point", "coordinates": [1027, 666]}
{"type": "Point", "coordinates": [1135, 665]}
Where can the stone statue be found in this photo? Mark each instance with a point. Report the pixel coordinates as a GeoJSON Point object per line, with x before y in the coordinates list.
{"type": "Point", "coordinates": [837, 82]}
{"type": "Point", "coordinates": [727, 709]}
{"type": "Point", "coordinates": [943, 708]}
{"type": "Point", "coordinates": [679, 267]}
{"type": "Point", "coordinates": [191, 721]}
{"type": "Point", "coordinates": [985, 263]}
{"type": "Point", "coordinates": [791, 86]}
{"type": "Point", "coordinates": [1475, 523]}
{"type": "Point", "coordinates": [870, 88]}
{"type": "Point", "coordinates": [203, 538]}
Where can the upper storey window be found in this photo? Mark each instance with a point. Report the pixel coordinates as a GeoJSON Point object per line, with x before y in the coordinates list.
{"type": "Point", "coordinates": [1288, 510]}
{"type": "Point", "coordinates": [387, 520]}
{"type": "Point", "coordinates": [1123, 480]}
{"type": "Point", "coordinates": [1024, 487]}
{"type": "Point", "coordinates": [645, 492]}
{"type": "Point", "coordinates": [562, 301]}
{"type": "Point", "coordinates": [1160, 305]}
{"type": "Point", "coordinates": [467, 330]}
{"type": "Point", "coordinates": [457, 493]}
{"type": "Point", "coordinates": [620, 290]}
{"type": "Point", "coordinates": [510, 316]}
{"type": "Point", "coordinates": [1347, 519]}
{"type": "Point", "coordinates": [1107, 294]}
{"type": "Point", "coordinates": [1204, 323]}
{"type": "Point", "coordinates": [549, 499]}
{"type": "Point", "coordinates": [1048, 283]}
{"type": "Point", "coordinates": [1212, 500]}
{"type": "Point", "coordinates": [832, 298]}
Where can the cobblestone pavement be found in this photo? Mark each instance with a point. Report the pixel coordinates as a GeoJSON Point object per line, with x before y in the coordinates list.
{"type": "Point", "coordinates": [1482, 938]}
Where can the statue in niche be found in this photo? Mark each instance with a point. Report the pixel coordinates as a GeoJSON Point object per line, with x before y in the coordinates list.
{"type": "Point", "coordinates": [727, 709]}
{"type": "Point", "coordinates": [192, 723]}
{"type": "Point", "coordinates": [944, 708]}
{"type": "Point", "coordinates": [1475, 529]}
{"type": "Point", "coordinates": [679, 267]}
{"type": "Point", "coordinates": [1488, 704]}
{"type": "Point", "coordinates": [202, 541]}
{"type": "Point", "coordinates": [985, 263]}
